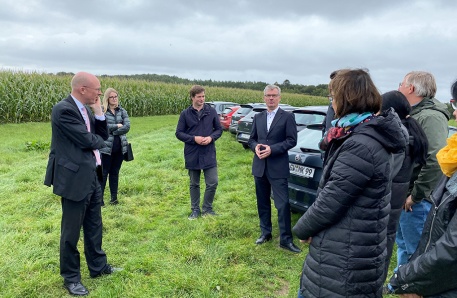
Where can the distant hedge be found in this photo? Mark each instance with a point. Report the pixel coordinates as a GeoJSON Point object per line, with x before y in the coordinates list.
{"type": "Point", "coordinates": [30, 96]}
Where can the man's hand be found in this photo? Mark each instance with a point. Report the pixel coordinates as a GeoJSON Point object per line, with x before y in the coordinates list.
{"type": "Point", "coordinates": [409, 204]}
{"type": "Point", "coordinates": [203, 140]}
{"type": "Point", "coordinates": [262, 151]}
{"type": "Point", "coordinates": [307, 240]}
{"type": "Point", "coordinates": [97, 107]}
{"type": "Point", "coordinates": [410, 296]}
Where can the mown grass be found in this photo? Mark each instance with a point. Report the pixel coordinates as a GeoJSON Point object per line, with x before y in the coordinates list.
{"type": "Point", "coordinates": [163, 254]}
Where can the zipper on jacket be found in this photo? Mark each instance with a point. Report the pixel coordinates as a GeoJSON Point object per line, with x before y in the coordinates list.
{"type": "Point", "coordinates": [435, 210]}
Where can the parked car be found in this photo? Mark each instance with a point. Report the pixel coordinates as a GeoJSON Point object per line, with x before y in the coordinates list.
{"type": "Point", "coordinates": [245, 124]}
{"type": "Point", "coordinates": [305, 166]}
{"type": "Point", "coordinates": [310, 115]}
{"type": "Point", "coordinates": [226, 116]}
{"type": "Point", "coordinates": [219, 106]}
{"type": "Point", "coordinates": [241, 113]}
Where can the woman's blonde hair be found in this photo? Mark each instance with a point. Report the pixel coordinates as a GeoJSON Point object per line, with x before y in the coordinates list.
{"type": "Point", "coordinates": [105, 101]}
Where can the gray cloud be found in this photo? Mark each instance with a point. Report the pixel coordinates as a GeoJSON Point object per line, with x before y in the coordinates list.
{"type": "Point", "coordinates": [302, 41]}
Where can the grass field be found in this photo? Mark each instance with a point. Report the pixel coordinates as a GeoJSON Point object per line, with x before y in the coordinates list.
{"type": "Point", "coordinates": [163, 254]}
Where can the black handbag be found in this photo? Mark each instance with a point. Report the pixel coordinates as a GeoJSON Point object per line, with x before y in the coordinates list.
{"type": "Point", "coordinates": [128, 156]}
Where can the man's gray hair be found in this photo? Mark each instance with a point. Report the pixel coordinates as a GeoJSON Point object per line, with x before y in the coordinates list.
{"type": "Point", "coordinates": [271, 87]}
{"type": "Point", "coordinates": [423, 82]}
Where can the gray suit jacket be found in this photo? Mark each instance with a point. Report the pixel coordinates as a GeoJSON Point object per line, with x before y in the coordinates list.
{"type": "Point", "coordinates": [71, 166]}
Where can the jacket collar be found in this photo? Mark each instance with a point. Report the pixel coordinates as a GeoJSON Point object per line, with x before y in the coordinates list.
{"type": "Point", "coordinates": [451, 185]}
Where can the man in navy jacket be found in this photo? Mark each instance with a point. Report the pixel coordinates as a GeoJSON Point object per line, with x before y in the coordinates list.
{"type": "Point", "coordinates": [199, 127]}
{"type": "Point", "coordinates": [274, 132]}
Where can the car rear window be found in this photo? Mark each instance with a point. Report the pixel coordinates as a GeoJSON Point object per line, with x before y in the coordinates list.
{"type": "Point", "coordinates": [306, 119]}
{"type": "Point", "coordinates": [309, 139]}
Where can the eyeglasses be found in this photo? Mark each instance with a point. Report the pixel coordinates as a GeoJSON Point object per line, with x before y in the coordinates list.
{"type": "Point", "coordinates": [271, 95]}
{"type": "Point", "coordinates": [96, 89]}
{"type": "Point", "coordinates": [454, 103]}
{"type": "Point", "coordinates": [112, 97]}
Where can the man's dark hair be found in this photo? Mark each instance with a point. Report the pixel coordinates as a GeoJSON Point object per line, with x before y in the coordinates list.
{"type": "Point", "coordinates": [196, 89]}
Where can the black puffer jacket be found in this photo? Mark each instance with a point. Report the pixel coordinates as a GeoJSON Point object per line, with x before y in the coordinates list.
{"type": "Point", "coordinates": [432, 270]}
{"type": "Point", "coordinates": [399, 192]}
{"type": "Point", "coordinates": [348, 220]}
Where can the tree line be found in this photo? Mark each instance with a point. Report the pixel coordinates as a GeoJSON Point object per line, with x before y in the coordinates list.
{"type": "Point", "coordinates": [286, 86]}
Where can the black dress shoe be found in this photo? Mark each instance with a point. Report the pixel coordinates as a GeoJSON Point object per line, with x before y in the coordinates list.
{"type": "Point", "coordinates": [263, 238]}
{"type": "Point", "coordinates": [107, 270]}
{"type": "Point", "coordinates": [76, 288]}
{"type": "Point", "coordinates": [290, 247]}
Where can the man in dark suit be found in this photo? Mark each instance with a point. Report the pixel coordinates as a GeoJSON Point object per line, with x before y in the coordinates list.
{"type": "Point", "coordinates": [274, 131]}
{"type": "Point", "coordinates": [73, 170]}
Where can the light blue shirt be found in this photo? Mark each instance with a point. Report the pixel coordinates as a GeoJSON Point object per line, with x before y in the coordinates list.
{"type": "Point", "coordinates": [270, 116]}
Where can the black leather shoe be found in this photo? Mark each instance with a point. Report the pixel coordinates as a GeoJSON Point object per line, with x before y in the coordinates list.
{"type": "Point", "coordinates": [76, 288]}
{"type": "Point", "coordinates": [290, 247]}
{"type": "Point", "coordinates": [263, 238]}
{"type": "Point", "coordinates": [108, 270]}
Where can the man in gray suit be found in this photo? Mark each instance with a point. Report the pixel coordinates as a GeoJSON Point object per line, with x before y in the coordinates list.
{"type": "Point", "coordinates": [73, 170]}
{"type": "Point", "coordinates": [273, 133]}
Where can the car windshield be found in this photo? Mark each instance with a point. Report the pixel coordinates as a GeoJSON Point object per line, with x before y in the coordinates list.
{"type": "Point", "coordinates": [244, 111]}
{"type": "Point", "coordinates": [306, 119]}
{"type": "Point", "coordinates": [226, 110]}
{"type": "Point", "coordinates": [308, 139]}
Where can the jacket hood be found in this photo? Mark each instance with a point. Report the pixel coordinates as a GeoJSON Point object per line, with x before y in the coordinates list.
{"type": "Point", "coordinates": [387, 130]}
{"type": "Point", "coordinates": [432, 104]}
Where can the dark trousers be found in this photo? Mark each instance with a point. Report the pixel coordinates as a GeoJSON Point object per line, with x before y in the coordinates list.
{"type": "Point", "coordinates": [86, 214]}
{"type": "Point", "coordinates": [263, 187]}
{"type": "Point", "coordinates": [211, 181]}
{"type": "Point", "coordinates": [111, 167]}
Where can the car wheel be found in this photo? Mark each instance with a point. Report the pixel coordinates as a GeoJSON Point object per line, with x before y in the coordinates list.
{"type": "Point", "coordinates": [245, 146]}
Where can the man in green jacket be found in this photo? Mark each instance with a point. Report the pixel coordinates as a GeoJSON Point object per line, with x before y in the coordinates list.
{"type": "Point", "coordinates": [419, 87]}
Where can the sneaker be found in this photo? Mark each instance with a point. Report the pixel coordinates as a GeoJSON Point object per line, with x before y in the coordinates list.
{"type": "Point", "coordinates": [210, 212]}
{"type": "Point", "coordinates": [194, 215]}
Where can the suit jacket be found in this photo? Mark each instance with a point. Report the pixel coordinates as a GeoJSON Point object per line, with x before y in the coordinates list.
{"type": "Point", "coordinates": [281, 137]}
{"type": "Point", "coordinates": [71, 166]}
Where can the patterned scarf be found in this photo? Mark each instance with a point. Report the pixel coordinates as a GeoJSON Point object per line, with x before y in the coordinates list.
{"type": "Point", "coordinates": [343, 126]}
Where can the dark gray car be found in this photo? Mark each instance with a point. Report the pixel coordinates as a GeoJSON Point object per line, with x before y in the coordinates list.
{"type": "Point", "coordinates": [241, 113]}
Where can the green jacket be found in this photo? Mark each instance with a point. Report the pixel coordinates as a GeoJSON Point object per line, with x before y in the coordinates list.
{"type": "Point", "coordinates": [433, 117]}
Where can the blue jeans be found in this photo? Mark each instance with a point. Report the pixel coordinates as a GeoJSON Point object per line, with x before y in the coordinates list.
{"type": "Point", "coordinates": [409, 230]}
{"type": "Point", "coordinates": [299, 294]}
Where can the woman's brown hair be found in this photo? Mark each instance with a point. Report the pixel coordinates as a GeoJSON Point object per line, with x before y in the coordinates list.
{"type": "Point", "coordinates": [354, 92]}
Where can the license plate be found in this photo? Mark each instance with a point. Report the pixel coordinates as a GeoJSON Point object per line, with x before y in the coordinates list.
{"type": "Point", "coordinates": [244, 136]}
{"type": "Point", "coordinates": [300, 170]}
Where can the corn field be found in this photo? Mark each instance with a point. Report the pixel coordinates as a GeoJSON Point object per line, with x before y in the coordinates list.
{"type": "Point", "coordinates": [30, 96]}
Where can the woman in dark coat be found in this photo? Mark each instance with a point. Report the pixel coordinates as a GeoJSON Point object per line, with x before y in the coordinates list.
{"type": "Point", "coordinates": [112, 156]}
{"type": "Point", "coordinates": [347, 224]}
{"type": "Point", "coordinates": [416, 152]}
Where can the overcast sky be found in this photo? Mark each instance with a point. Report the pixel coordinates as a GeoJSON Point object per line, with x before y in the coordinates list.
{"type": "Point", "coordinates": [240, 40]}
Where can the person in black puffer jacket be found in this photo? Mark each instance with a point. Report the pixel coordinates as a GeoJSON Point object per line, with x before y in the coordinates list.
{"type": "Point", "coordinates": [432, 269]}
{"type": "Point", "coordinates": [347, 224]}
{"type": "Point", "coordinates": [416, 152]}
{"type": "Point", "coordinates": [113, 155]}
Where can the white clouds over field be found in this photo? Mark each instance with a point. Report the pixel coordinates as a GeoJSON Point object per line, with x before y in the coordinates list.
{"type": "Point", "coordinates": [239, 40]}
